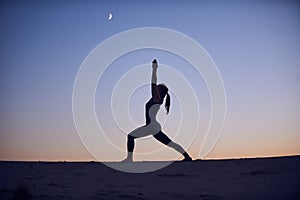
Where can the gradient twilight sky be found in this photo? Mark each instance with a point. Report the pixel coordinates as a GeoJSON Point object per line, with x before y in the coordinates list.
{"type": "Point", "coordinates": [255, 45]}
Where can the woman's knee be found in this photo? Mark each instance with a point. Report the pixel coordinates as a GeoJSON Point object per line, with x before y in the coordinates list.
{"type": "Point", "coordinates": [160, 136]}
{"type": "Point", "coordinates": [130, 137]}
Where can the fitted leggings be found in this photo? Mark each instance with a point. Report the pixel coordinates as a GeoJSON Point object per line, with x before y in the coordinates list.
{"type": "Point", "coordinates": [160, 136]}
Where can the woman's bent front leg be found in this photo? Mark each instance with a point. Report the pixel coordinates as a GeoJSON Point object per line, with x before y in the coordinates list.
{"type": "Point", "coordinates": [137, 133]}
{"type": "Point", "coordinates": [130, 148]}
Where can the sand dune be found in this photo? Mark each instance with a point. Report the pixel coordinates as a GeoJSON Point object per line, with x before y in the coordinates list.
{"type": "Point", "coordinates": [261, 178]}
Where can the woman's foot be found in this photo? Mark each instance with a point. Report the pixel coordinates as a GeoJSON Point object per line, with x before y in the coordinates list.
{"type": "Point", "coordinates": [127, 160]}
{"type": "Point", "coordinates": [187, 157]}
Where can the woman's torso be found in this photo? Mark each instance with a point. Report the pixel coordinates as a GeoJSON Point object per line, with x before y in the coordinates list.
{"type": "Point", "coordinates": [151, 110]}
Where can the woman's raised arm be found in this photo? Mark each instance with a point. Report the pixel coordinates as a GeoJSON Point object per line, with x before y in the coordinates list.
{"type": "Point", "coordinates": [154, 89]}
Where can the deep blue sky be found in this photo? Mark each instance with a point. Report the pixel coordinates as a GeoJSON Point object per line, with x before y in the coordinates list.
{"type": "Point", "coordinates": [255, 45]}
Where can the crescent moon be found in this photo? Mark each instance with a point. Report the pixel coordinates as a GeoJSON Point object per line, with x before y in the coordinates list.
{"type": "Point", "coordinates": [110, 16]}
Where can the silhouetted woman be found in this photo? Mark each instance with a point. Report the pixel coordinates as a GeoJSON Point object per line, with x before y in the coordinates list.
{"type": "Point", "coordinates": [152, 127]}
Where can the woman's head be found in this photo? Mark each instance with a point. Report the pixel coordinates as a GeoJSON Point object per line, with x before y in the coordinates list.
{"type": "Point", "coordinates": [163, 91]}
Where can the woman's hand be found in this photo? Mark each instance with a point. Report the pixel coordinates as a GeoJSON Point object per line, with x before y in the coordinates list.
{"type": "Point", "coordinates": [154, 64]}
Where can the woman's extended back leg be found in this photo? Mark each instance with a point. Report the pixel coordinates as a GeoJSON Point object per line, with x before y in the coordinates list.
{"type": "Point", "coordinates": [163, 138]}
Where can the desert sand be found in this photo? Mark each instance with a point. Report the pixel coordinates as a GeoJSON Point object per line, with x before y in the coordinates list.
{"type": "Point", "coordinates": [258, 178]}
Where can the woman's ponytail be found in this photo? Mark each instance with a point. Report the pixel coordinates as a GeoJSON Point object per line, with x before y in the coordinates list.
{"type": "Point", "coordinates": [167, 103]}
